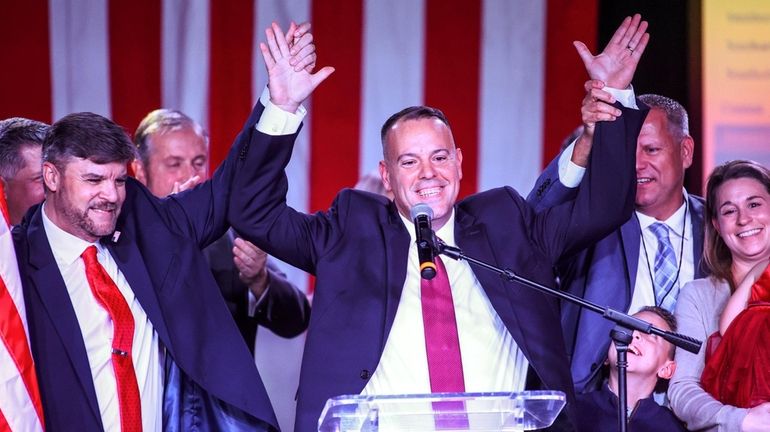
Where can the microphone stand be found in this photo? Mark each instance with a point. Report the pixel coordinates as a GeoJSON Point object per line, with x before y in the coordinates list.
{"type": "Point", "coordinates": [622, 334]}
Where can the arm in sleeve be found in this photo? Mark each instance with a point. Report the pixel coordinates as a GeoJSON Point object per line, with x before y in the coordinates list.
{"type": "Point", "coordinates": [692, 404]}
{"type": "Point", "coordinates": [283, 308]}
{"type": "Point", "coordinates": [605, 197]}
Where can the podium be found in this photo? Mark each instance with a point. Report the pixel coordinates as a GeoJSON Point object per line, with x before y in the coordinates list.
{"type": "Point", "coordinates": [504, 411]}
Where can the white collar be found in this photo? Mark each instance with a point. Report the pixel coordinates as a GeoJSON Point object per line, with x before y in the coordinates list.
{"type": "Point", "coordinates": [66, 247]}
{"type": "Point", "coordinates": [676, 222]}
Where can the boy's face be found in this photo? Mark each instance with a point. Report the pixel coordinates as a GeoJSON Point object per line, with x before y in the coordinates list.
{"type": "Point", "coordinates": [647, 354]}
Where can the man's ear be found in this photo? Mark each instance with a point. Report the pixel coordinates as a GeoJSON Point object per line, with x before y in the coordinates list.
{"type": "Point", "coordinates": [688, 146]}
{"type": "Point", "coordinates": [138, 168]}
{"type": "Point", "coordinates": [385, 176]}
{"type": "Point", "coordinates": [667, 370]}
{"type": "Point", "coordinates": [51, 176]}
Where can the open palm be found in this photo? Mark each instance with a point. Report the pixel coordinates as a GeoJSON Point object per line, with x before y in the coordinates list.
{"type": "Point", "coordinates": [288, 87]}
{"type": "Point", "coordinates": [617, 63]}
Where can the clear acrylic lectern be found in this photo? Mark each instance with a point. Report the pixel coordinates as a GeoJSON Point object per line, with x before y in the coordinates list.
{"type": "Point", "coordinates": [528, 410]}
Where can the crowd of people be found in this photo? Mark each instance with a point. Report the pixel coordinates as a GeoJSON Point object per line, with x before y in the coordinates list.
{"type": "Point", "coordinates": [145, 278]}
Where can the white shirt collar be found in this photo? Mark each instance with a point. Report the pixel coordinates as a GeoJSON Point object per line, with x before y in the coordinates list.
{"type": "Point", "coordinates": [676, 222]}
{"type": "Point", "coordinates": [66, 247]}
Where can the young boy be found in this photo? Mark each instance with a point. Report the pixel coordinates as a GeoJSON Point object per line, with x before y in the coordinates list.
{"type": "Point", "coordinates": [650, 358]}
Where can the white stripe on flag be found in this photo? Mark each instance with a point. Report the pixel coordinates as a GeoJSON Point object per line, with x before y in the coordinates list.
{"type": "Point", "coordinates": [511, 114]}
{"type": "Point", "coordinates": [393, 69]}
{"type": "Point", "coordinates": [282, 378]}
{"type": "Point", "coordinates": [79, 57]}
{"type": "Point", "coordinates": [298, 170]}
{"type": "Point", "coordinates": [185, 57]}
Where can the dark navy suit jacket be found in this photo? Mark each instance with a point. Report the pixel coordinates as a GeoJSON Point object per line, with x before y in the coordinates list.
{"type": "Point", "coordinates": [285, 309]}
{"type": "Point", "coordinates": [358, 252]}
{"type": "Point", "coordinates": [604, 273]}
{"type": "Point", "coordinates": [211, 380]}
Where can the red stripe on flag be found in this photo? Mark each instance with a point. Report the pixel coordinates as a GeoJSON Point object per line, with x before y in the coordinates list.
{"type": "Point", "coordinates": [232, 31]}
{"type": "Point", "coordinates": [566, 21]}
{"type": "Point", "coordinates": [25, 78]}
{"type": "Point", "coordinates": [3, 423]}
{"type": "Point", "coordinates": [13, 335]}
{"type": "Point", "coordinates": [15, 341]}
{"type": "Point", "coordinates": [135, 70]}
{"type": "Point", "coordinates": [452, 75]}
{"type": "Point", "coordinates": [335, 129]}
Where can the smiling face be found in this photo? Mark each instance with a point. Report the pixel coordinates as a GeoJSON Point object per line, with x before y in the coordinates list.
{"type": "Point", "coordinates": [84, 198]}
{"type": "Point", "coordinates": [173, 156]}
{"type": "Point", "coordinates": [661, 159]}
{"type": "Point", "coordinates": [743, 219]}
{"type": "Point", "coordinates": [422, 165]}
{"type": "Point", "coordinates": [648, 354]}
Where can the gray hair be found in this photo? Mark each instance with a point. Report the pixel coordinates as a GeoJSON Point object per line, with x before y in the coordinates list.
{"type": "Point", "coordinates": [163, 121]}
{"type": "Point", "coordinates": [676, 115]}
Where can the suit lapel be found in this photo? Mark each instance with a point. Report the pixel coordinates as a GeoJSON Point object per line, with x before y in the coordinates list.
{"type": "Point", "coordinates": [630, 234]}
{"type": "Point", "coordinates": [130, 262]}
{"type": "Point", "coordinates": [396, 249]}
{"type": "Point", "coordinates": [697, 219]}
{"type": "Point", "coordinates": [473, 240]}
{"type": "Point", "coordinates": [53, 294]}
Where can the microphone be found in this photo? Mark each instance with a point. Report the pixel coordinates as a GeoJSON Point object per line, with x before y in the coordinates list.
{"type": "Point", "coordinates": [422, 215]}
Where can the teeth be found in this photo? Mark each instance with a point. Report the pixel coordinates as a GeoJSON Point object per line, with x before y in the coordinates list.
{"type": "Point", "coordinates": [634, 350]}
{"type": "Point", "coordinates": [749, 233]}
{"type": "Point", "coordinates": [643, 180]}
{"type": "Point", "coordinates": [429, 192]}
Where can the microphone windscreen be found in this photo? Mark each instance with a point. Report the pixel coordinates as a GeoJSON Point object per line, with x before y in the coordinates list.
{"type": "Point", "coordinates": [421, 209]}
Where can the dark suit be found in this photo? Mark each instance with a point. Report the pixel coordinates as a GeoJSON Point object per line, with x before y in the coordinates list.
{"type": "Point", "coordinates": [604, 273]}
{"type": "Point", "coordinates": [211, 381]}
{"type": "Point", "coordinates": [284, 309]}
{"type": "Point", "coordinates": [358, 252]}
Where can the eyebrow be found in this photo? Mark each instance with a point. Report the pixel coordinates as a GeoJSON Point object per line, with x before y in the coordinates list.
{"type": "Point", "coordinates": [753, 197]}
{"type": "Point", "coordinates": [415, 155]}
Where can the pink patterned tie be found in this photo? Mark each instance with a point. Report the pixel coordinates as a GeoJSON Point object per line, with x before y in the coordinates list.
{"type": "Point", "coordinates": [445, 366]}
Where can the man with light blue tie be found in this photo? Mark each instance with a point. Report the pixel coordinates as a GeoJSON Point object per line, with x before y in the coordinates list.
{"type": "Point", "coordinates": [646, 260]}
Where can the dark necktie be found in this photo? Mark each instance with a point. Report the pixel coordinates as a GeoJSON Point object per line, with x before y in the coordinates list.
{"type": "Point", "coordinates": [108, 295]}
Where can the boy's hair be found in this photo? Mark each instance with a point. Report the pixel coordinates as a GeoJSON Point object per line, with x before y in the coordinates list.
{"type": "Point", "coordinates": [668, 318]}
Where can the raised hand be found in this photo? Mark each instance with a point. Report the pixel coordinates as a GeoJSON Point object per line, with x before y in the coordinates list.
{"type": "Point", "coordinates": [597, 106]}
{"type": "Point", "coordinates": [616, 65]}
{"type": "Point", "coordinates": [288, 87]}
{"type": "Point", "coordinates": [301, 46]}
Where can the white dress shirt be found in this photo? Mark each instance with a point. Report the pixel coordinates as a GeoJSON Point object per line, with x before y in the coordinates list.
{"type": "Point", "coordinates": [97, 331]}
{"type": "Point", "coordinates": [491, 359]}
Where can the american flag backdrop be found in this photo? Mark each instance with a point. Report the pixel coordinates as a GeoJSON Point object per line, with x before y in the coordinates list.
{"type": "Point", "coordinates": [504, 72]}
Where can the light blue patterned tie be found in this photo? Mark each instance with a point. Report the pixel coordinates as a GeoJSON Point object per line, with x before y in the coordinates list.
{"type": "Point", "coordinates": [666, 271]}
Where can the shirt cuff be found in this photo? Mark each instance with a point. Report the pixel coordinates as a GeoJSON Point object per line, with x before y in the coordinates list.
{"type": "Point", "coordinates": [626, 97]}
{"type": "Point", "coordinates": [255, 302]}
{"type": "Point", "coordinates": [570, 174]}
{"type": "Point", "coordinates": [275, 121]}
